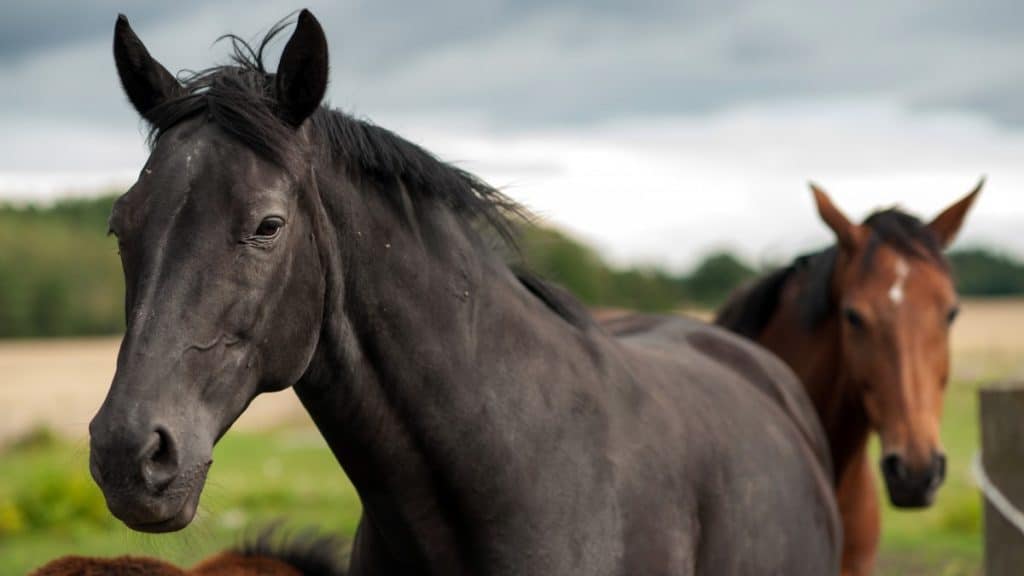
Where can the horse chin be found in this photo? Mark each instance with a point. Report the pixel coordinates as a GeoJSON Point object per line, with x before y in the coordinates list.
{"type": "Point", "coordinates": [180, 520]}
{"type": "Point", "coordinates": [171, 510]}
{"type": "Point", "coordinates": [910, 499]}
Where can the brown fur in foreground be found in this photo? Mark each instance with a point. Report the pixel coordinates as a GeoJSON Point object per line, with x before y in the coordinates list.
{"type": "Point", "coordinates": [265, 555]}
{"type": "Point", "coordinates": [225, 563]}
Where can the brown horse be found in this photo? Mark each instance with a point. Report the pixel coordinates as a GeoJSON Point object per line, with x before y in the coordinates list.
{"type": "Point", "coordinates": [865, 324]}
{"type": "Point", "coordinates": [265, 556]}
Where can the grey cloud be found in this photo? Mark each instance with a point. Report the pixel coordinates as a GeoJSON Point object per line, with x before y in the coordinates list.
{"type": "Point", "coordinates": [528, 63]}
{"type": "Point", "coordinates": [534, 63]}
{"type": "Point", "coordinates": [38, 25]}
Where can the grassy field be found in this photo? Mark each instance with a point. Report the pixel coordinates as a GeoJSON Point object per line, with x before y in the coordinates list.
{"type": "Point", "coordinates": [49, 505]}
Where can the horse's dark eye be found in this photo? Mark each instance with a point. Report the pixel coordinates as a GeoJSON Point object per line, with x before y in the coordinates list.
{"type": "Point", "coordinates": [853, 318]}
{"type": "Point", "coordinates": [952, 314]}
{"type": "Point", "coordinates": [269, 227]}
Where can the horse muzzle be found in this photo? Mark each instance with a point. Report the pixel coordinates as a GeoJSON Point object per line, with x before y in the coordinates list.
{"type": "Point", "coordinates": [142, 477]}
{"type": "Point", "coordinates": [911, 487]}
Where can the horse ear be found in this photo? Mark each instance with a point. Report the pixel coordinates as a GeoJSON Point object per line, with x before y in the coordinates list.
{"type": "Point", "coordinates": [947, 224]}
{"type": "Point", "coordinates": [302, 73]}
{"type": "Point", "coordinates": [146, 82]}
{"type": "Point", "coordinates": [848, 234]}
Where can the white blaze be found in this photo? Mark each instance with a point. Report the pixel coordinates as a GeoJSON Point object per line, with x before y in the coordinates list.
{"type": "Point", "coordinates": [896, 292]}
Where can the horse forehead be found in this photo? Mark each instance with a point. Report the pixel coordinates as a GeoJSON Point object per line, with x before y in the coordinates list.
{"type": "Point", "coordinates": [189, 150]}
{"type": "Point", "coordinates": [922, 281]}
{"type": "Point", "coordinates": [208, 161]}
{"type": "Point", "coordinates": [875, 279]}
{"type": "Point", "coordinates": [899, 271]}
{"type": "Point", "coordinates": [203, 147]}
{"type": "Point", "coordinates": [901, 290]}
{"type": "Point", "coordinates": [895, 280]}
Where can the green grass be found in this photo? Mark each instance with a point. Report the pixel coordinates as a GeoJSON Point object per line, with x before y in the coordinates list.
{"type": "Point", "coordinates": [50, 507]}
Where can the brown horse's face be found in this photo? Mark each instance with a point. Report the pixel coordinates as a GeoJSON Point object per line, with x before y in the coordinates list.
{"type": "Point", "coordinates": [896, 315]}
{"type": "Point", "coordinates": [897, 309]}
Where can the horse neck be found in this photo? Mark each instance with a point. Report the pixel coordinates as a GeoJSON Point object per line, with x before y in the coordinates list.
{"type": "Point", "coordinates": [406, 362]}
{"type": "Point", "coordinates": [815, 356]}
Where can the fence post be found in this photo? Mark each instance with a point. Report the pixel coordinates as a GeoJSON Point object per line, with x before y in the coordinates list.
{"type": "Point", "coordinates": [1002, 448]}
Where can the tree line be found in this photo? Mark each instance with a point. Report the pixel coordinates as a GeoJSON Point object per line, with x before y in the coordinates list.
{"type": "Point", "coordinates": [60, 274]}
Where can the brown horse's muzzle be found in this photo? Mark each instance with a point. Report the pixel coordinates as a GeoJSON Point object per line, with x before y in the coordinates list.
{"type": "Point", "coordinates": [913, 487]}
{"type": "Point", "coordinates": [141, 473]}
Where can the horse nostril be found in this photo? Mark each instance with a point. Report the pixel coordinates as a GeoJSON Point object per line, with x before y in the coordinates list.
{"type": "Point", "coordinates": [160, 460]}
{"type": "Point", "coordinates": [893, 467]}
{"type": "Point", "coordinates": [939, 465]}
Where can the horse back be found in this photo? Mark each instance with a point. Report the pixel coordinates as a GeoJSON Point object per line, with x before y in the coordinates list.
{"type": "Point", "coordinates": [751, 448]}
{"type": "Point", "coordinates": [749, 362]}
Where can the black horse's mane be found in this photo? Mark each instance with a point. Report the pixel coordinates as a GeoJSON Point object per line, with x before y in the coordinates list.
{"type": "Point", "coordinates": [240, 98]}
{"type": "Point", "coordinates": [558, 299]}
{"type": "Point", "coordinates": [307, 551]}
{"type": "Point", "coordinates": [751, 307]}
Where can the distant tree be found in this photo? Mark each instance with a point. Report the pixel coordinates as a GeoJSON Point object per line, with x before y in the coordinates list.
{"type": "Point", "coordinates": [981, 272]}
{"type": "Point", "coordinates": [555, 256]}
{"type": "Point", "coordinates": [649, 290]}
{"type": "Point", "coordinates": [60, 274]}
{"type": "Point", "coordinates": [715, 277]}
{"type": "Point", "coordinates": [559, 258]}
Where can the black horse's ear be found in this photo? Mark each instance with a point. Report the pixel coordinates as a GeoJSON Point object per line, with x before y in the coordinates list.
{"type": "Point", "coordinates": [146, 82]}
{"type": "Point", "coordinates": [302, 73]}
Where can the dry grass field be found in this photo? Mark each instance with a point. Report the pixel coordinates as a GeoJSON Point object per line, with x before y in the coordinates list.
{"type": "Point", "coordinates": [988, 341]}
{"type": "Point", "coordinates": [58, 385]}
{"type": "Point", "coordinates": [61, 383]}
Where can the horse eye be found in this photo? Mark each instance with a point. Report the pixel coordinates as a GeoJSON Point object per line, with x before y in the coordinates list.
{"type": "Point", "coordinates": [853, 318]}
{"type": "Point", "coordinates": [269, 227]}
{"type": "Point", "coordinates": [952, 314]}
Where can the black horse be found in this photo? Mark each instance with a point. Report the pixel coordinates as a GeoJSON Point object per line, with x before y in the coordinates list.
{"type": "Point", "coordinates": [488, 424]}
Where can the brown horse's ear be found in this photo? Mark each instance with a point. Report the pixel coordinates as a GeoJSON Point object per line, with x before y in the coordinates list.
{"type": "Point", "coordinates": [302, 73]}
{"type": "Point", "coordinates": [848, 234]}
{"type": "Point", "coordinates": [146, 82]}
{"type": "Point", "coordinates": [947, 224]}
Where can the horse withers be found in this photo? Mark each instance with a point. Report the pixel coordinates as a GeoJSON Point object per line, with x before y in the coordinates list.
{"type": "Point", "coordinates": [865, 324]}
{"type": "Point", "coordinates": [489, 425]}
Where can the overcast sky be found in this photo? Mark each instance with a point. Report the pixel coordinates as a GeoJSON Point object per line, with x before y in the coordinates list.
{"type": "Point", "coordinates": [655, 132]}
